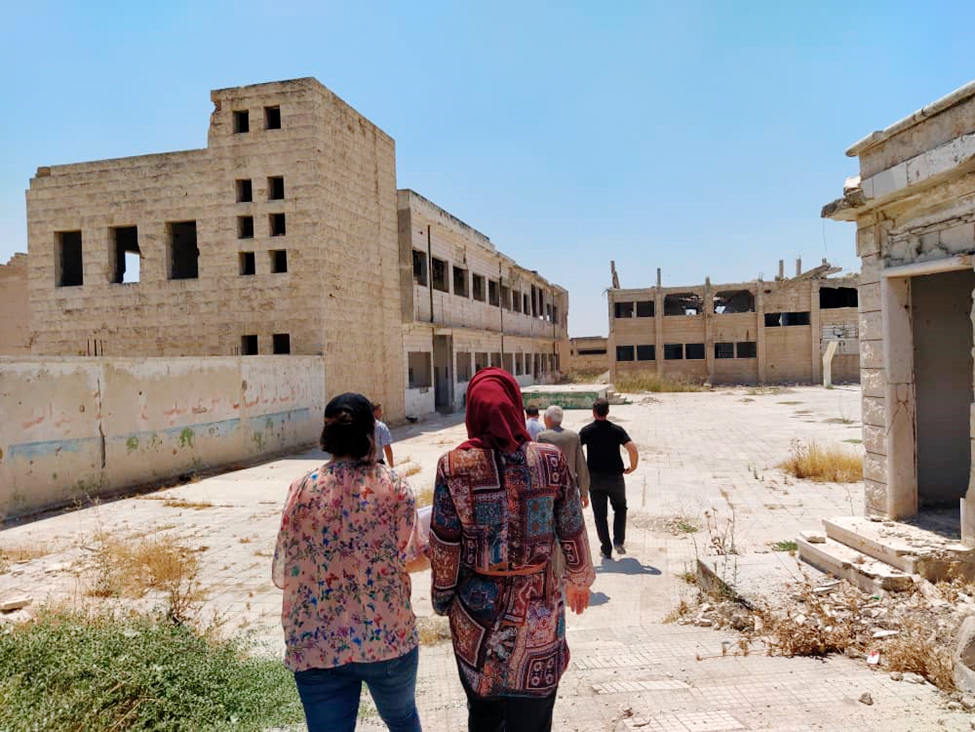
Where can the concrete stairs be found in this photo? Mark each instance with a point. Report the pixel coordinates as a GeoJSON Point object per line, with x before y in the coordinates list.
{"type": "Point", "coordinates": [883, 555]}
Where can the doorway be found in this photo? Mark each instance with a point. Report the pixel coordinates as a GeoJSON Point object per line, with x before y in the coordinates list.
{"type": "Point", "coordinates": [443, 381]}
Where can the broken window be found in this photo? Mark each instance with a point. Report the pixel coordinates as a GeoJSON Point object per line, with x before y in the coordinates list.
{"type": "Point", "coordinates": [724, 350]}
{"type": "Point", "coordinates": [248, 345]}
{"type": "Point", "coordinates": [594, 351]}
{"type": "Point", "coordinates": [242, 122]}
{"type": "Point", "coordinates": [734, 301]}
{"type": "Point", "coordinates": [623, 309]}
{"type": "Point", "coordinates": [505, 298]}
{"type": "Point", "coordinates": [774, 320]}
{"type": "Point", "coordinates": [645, 353]}
{"type": "Point", "coordinates": [519, 364]}
{"type": "Point", "coordinates": [420, 268]}
{"type": "Point", "coordinates": [127, 263]}
{"type": "Point", "coordinates": [245, 191]}
{"type": "Point", "coordinates": [278, 227]}
{"type": "Point", "coordinates": [747, 349]}
{"type": "Point", "coordinates": [683, 303]}
{"type": "Point", "coordinates": [525, 304]}
{"type": "Point", "coordinates": [460, 282]}
{"type": "Point", "coordinates": [673, 351]}
{"type": "Point", "coordinates": [275, 188]}
{"type": "Point", "coordinates": [534, 301]}
{"type": "Point", "coordinates": [69, 268]}
{"type": "Point", "coordinates": [184, 257]}
{"type": "Point", "coordinates": [282, 342]}
{"type": "Point", "coordinates": [245, 227]}
{"type": "Point", "coordinates": [480, 361]}
{"type": "Point", "coordinates": [279, 261]}
{"type": "Point", "coordinates": [418, 367]}
{"type": "Point", "coordinates": [516, 301]}
{"type": "Point", "coordinates": [272, 118]}
{"type": "Point", "coordinates": [494, 298]}
{"type": "Point", "coordinates": [477, 287]}
{"type": "Point", "coordinates": [463, 366]}
{"type": "Point", "coordinates": [548, 313]}
{"type": "Point", "coordinates": [694, 351]}
{"type": "Point", "coordinates": [508, 363]}
{"type": "Point", "coordinates": [248, 264]}
{"type": "Point", "coordinates": [440, 275]}
{"type": "Point", "coordinates": [624, 353]}
{"type": "Point", "coordinates": [644, 308]}
{"type": "Point", "coordinates": [496, 360]}
{"type": "Point", "coordinates": [837, 297]}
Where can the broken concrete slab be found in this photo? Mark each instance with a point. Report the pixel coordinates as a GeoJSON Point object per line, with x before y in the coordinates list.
{"type": "Point", "coordinates": [8, 605]}
{"type": "Point", "coordinates": [847, 563]}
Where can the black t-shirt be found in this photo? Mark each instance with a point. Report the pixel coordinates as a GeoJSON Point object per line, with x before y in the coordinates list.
{"type": "Point", "coordinates": [603, 439]}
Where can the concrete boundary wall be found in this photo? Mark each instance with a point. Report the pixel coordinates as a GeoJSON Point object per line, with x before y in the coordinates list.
{"type": "Point", "coordinates": [74, 428]}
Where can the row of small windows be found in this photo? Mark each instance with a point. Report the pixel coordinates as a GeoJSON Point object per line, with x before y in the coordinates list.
{"type": "Point", "coordinates": [245, 189]}
{"type": "Point", "coordinates": [419, 374]}
{"type": "Point", "coordinates": [280, 344]}
{"type": "Point", "coordinates": [497, 294]}
{"type": "Point", "coordinates": [726, 302]}
{"type": "Point", "coordinates": [278, 262]}
{"type": "Point", "coordinates": [687, 351]}
{"type": "Point", "coordinates": [242, 120]}
{"type": "Point", "coordinates": [277, 226]}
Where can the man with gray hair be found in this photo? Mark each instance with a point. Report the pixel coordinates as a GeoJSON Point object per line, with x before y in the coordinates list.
{"type": "Point", "coordinates": [570, 445]}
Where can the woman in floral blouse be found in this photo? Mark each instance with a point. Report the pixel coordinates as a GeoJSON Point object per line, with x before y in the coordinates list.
{"type": "Point", "coordinates": [500, 505]}
{"type": "Point", "coordinates": [341, 561]}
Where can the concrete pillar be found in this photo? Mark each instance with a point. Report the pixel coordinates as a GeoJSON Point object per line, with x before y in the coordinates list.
{"type": "Point", "coordinates": [611, 340]}
{"type": "Point", "coordinates": [817, 333]}
{"type": "Point", "coordinates": [708, 335]}
{"type": "Point", "coordinates": [968, 502]}
{"type": "Point", "coordinates": [899, 401]}
{"type": "Point", "coordinates": [760, 326]}
{"type": "Point", "coordinates": [658, 327]}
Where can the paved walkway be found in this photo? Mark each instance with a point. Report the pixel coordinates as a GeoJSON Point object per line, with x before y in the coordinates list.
{"type": "Point", "coordinates": [702, 454]}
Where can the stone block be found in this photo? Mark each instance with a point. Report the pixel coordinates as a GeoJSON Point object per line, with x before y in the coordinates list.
{"type": "Point", "coordinates": [960, 238]}
{"type": "Point", "coordinates": [870, 298]}
{"type": "Point", "coordinates": [871, 354]}
{"type": "Point", "coordinates": [964, 658]}
{"type": "Point", "coordinates": [875, 467]}
{"type": "Point", "coordinates": [871, 326]}
{"type": "Point", "coordinates": [875, 439]}
{"type": "Point", "coordinates": [873, 382]}
{"type": "Point", "coordinates": [874, 411]}
{"type": "Point", "coordinates": [867, 242]}
{"type": "Point", "coordinates": [17, 602]}
{"type": "Point", "coordinates": [875, 497]}
{"type": "Point", "coordinates": [886, 182]}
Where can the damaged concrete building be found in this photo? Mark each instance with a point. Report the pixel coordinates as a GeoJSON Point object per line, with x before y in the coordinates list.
{"type": "Point", "coordinates": [743, 333]}
{"type": "Point", "coordinates": [586, 355]}
{"type": "Point", "coordinates": [914, 207]}
{"type": "Point", "coordinates": [14, 307]}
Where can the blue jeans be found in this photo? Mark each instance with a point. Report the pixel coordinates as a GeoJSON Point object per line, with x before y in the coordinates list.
{"type": "Point", "coordinates": [330, 696]}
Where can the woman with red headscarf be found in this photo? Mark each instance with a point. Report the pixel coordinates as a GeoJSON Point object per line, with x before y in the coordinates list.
{"type": "Point", "coordinates": [500, 505]}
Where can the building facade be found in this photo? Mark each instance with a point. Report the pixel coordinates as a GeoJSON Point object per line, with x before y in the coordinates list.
{"type": "Point", "coordinates": [14, 308]}
{"type": "Point", "coordinates": [744, 333]}
{"type": "Point", "coordinates": [466, 306]}
{"type": "Point", "coordinates": [585, 355]}
{"type": "Point", "coordinates": [914, 207]}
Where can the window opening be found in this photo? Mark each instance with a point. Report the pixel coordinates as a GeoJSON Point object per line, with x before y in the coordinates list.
{"type": "Point", "coordinates": [477, 287]}
{"type": "Point", "coordinates": [594, 351]}
{"type": "Point", "coordinates": [279, 261]}
{"type": "Point", "coordinates": [480, 361]}
{"type": "Point", "coordinates": [683, 303]}
{"type": "Point", "coordinates": [505, 298]}
{"type": "Point", "coordinates": [245, 227]}
{"type": "Point", "coordinates": [278, 227]}
{"type": "Point", "coordinates": [734, 301]}
{"type": "Point", "coordinates": [418, 367]}
{"type": "Point", "coordinates": [463, 366]}
{"type": "Point", "coordinates": [245, 191]}
{"type": "Point", "coordinates": [724, 350]}
{"type": "Point", "coordinates": [70, 267]}
{"type": "Point", "coordinates": [282, 342]}
{"type": "Point", "coordinates": [272, 118]}
{"type": "Point", "coordinates": [673, 351]}
{"type": "Point", "coordinates": [516, 301]}
{"type": "Point", "coordinates": [248, 345]}
{"type": "Point", "coordinates": [242, 122]}
{"type": "Point", "coordinates": [694, 351]}
{"type": "Point", "coordinates": [275, 188]}
{"type": "Point", "coordinates": [460, 282]}
{"type": "Point", "coordinates": [508, 363]}
{"type": "Point", "coordinates": [644, 308]}
{"type": "Point", "coordinates": [623, 309]}
{"type": "Point", "coordinates": [128, 257]}
{"type": "Point", "coordinates": [838, 297]}
{"type": "Point", "coordinates": [248, 265]}
{"type": "Point", "coordinates": [645, 353]}
{"type": "Point", "coordinates": [624, 353]}
{"type": "Point", "coordinates": [774, 320]}
{"type": "Point", "coordinates": [493, 297]}
{"type": "Point", "coordinates": [420, 267]}
{"type": "Point", "coordinates": [747, 349]}
{"type": "Point", "coordinates": [496, 360]}
{"type": "Point", "coordinates": [440, 275]}
{"type": "Point", "coordinates": [184, 256]}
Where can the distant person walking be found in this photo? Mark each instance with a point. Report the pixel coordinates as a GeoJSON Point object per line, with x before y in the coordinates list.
{"type": "Point", "coordinates": [501, 505]}
{"type": "Point", "coordinates": [532, 424]}
{"type": "Point", "coordinates": [570, 445]}
{"type": "Point", "coordinates": [603, 440]}
{"type": "Point", "coordinates": [384, 440]}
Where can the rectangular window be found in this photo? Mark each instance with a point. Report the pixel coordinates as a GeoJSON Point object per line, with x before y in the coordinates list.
{"type": "Point", "coordinates": [460, 282]}
{"type": "Point", "coordinates": [623, 310]}
{"type": "Point", "coordinates": [184, 257]}
{"type": "Point", "coordinates": [248, 345]}
{"type": "Point", "coordinates": [245, 191]}
{"type": "Point", "coordinates": [272, 118]}
{"type": "Point", "coordinates": [724, 350]}
{"type": "Point", "coordinates": [496, 360]}
{"type": "Point", "coordinates": [248, 264]}
{"type": "Point", "coordinates": [463, 366]}
{"type": "Point", "coordinates": [245, 227]}
{"type": "Point", "coordinates": [420, 267]}
{"type": "Point", "coordinates": [275, 188]}
{"type": "Point", "coordinates": [645, 353]}
{"type": "Point", "coordinates": [673, 351]}
{"type": "Point", "coordinates": [555, 315]}
{"type": "Point", "coordinates": [508, 363]}
{"type": "Point", "coordinates": [505, 298]}
{"type": "Point", "coordinates": [548, 313]}
{"type": "Point", "coordinates": [278, 227]}
{"type": "Point", "coordinates": [127, 258]}
{"type": "Point", "coordinates": [747, 349]}
{"type": "Point", "coordinates": [279, 261]}
{"type": "Point", "coordinates": [440, 275]}
{"type": "Point", "coordinates": [644, 308]}
{"type": "Point", "coordinates": [775, 320]}
{"type": "Point", "coordinates": [242, 122]}
{"type": "Point", "coordinates": [838, 297]}
{"type": "Point", "coordinates": [494, 298]}
{"type": "Point", "coordinates": [418, 367]}
{"type": "Point", "coordinates": [480, 361]}
{"type": "Point", "coordinates": [477, 287]}
{"type": "Point", "coordinates": [516, 301]}
{"type": "Point", "coordinates": [69, 269]}
{"type": "Point", "coordinates": [525, 304]}
{"type": "Point", "coordinates": [282, 342]}
{"type": "Point", "coordinates": [624, 353]}
{"type": "Point", "coordinates": [519, 364]}
{"type": "Point", "coordinates": [694, 351]}
{"type": "Point", "coordinates": [602, 351]}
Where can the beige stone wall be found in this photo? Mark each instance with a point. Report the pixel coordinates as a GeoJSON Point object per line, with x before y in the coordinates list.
{"type": "Point", "coordinates": [76, 428]}
{"type": "Point", "coordinates": [574, 358]}
{"type": "Point", "coordinates": [14, 307]}
{"type": "Point", "coordinates": [339, 296]}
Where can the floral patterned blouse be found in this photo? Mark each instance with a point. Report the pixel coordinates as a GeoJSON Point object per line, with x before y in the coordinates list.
{"type": "Point", "coordinates": [493, 515]}
{"type": "Point", "coordinates": [341, 561]}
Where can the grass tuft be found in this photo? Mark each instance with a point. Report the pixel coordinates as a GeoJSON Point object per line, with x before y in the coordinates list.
{"type": "Point", "coordinates": [784, 546]}
{"type": "Point", "coordinates": [22, 553]}
{"type": "Point", "coordinates": [183, 503]}
{"type": "Point", "coordinates": [647, 381]}
{"type": "Point", "coordinates": [823, 463]}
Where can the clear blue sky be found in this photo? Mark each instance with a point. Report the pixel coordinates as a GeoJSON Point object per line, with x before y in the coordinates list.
{"type": "Point", "coordinates": [700, 137]}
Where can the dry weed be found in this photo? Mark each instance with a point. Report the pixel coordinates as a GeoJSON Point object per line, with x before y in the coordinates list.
{"type": "Point", "coordinates": [920, 649]}
{"type": "Point", "coordinates": [823, 463]}
{"type": "Point", "coordinates": [424, 496]}
{"type": "Point", "coordinates": [22, 553]}
{"type": "Point", "coordinates": [433, 630]}
{"type": "Point", "coordinates": [411, 469]}
{"type": "Point", "coordinates": [184, 503]}
{"type": "Point", "coordinates": [648, 381]}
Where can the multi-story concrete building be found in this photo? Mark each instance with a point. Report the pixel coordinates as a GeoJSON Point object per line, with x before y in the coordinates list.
{"type": "Point", "coordinates": [741, 333]}
{"type": "Point", "coordinates": [466, 306]}
{"type": "Point", "coordinates": [585, 355]}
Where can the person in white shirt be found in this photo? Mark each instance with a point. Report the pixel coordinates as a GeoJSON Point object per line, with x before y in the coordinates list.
{"type": "Point", "coordinates": [532, 424]}
{"type": "Point", "coordinates": [384, 440]}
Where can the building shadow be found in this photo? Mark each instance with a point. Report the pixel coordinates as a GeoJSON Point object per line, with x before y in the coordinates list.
{"type": "Point", "coordinates": [627, 565]}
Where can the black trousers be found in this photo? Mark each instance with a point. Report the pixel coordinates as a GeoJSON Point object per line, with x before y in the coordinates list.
{"type": "Point", "coordinates": [603, 488]}
{"type": "Point", "coordinates": [509, 713]}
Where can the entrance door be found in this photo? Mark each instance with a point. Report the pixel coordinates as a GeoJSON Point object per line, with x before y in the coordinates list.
{"type": "Point", "coordinates": [443, 380]}
{"type": "Point", "coordinates": [941, 307]}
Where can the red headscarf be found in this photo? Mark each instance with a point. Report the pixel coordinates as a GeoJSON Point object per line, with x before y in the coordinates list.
{"type": "Point", "coordinates": [495, 415]}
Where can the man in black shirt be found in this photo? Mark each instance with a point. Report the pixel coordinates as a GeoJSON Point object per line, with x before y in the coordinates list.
{"type": "Point", "coordinates": [603, 440]}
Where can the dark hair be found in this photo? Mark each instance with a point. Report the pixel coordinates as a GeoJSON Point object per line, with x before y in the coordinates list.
{"type": "Point", "coordinates": [349, 427]}
{"type": "Point", "coordinates": [532, 411]}
{"type": "Point", "coordinates": [600, 407]}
